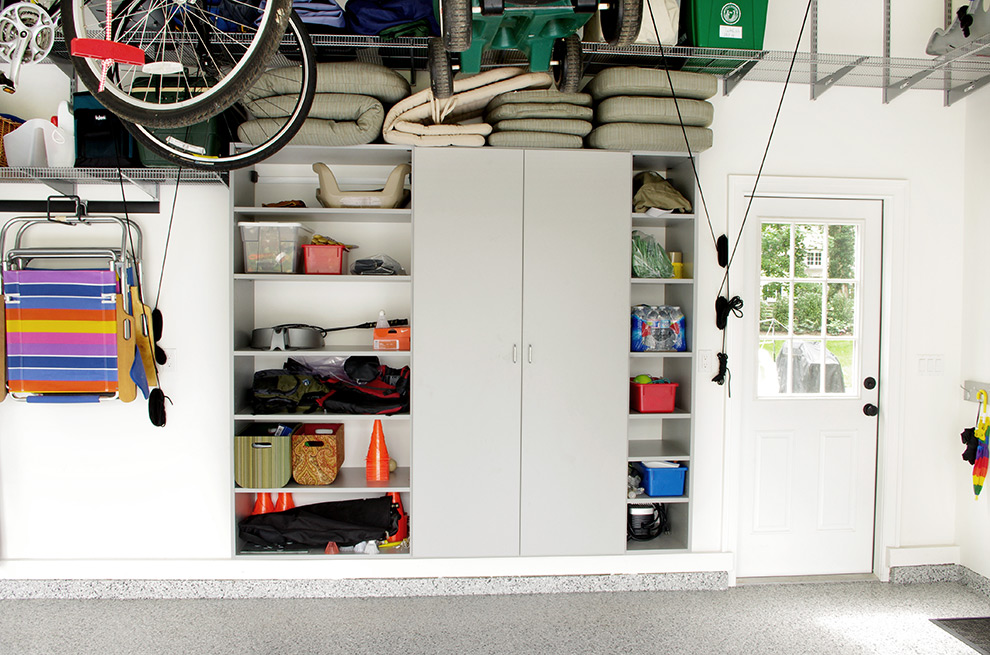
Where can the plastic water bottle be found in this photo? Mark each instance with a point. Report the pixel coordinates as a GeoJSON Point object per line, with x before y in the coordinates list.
{"type": "Point", "coordinates": [382, 321]}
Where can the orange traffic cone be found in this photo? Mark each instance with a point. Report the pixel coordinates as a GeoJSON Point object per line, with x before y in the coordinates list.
{"type": "Point", "coordinates": [377, 462]}
{"type": "Point", "coordinates": [284, 502]}
{"type": "Point", "coordinates": [263, 504]}
{"type": "Point", "coordinates": [403, 530]}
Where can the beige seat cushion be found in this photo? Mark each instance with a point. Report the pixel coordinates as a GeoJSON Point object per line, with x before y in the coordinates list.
{"type": "Point", "coordinates": [540, 95]}
{"type": "Point", "coordinates": [631, 81]}
{"type": "Point", "coordinates": [534, 140]}
{"type": "Point", "coordinates": [538, 110]}
{"type": "Point", "coordinates": [552, 125]}
{"type": "Point", "coordinates": [645, 109]}
{"type": "Point", "coordinates": [646, 137]}
{"type": "Point", "coordinates": [330, 106]}
{"type": "Point", "coordinates": [314, 132]}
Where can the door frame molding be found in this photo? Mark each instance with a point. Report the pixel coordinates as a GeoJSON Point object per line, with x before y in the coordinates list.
{"type": "Point", "coordinates": [894, 197]}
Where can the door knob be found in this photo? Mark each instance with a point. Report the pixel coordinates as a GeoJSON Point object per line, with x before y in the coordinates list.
{"type": "Point", "coordinates": [870, 409]}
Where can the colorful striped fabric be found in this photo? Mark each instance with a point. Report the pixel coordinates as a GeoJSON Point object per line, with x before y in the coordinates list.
{"type": "Point", "coordinates": [61, 331]}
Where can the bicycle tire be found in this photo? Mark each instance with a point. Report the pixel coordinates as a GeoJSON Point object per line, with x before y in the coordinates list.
{"type": "Point", "coordinates": [228, 61]}
{"type": "Point", "coordinates": [296, 42]}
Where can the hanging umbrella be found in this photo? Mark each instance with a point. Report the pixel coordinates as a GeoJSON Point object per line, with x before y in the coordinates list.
{"type": "Point", "coordinates": [982, 458]}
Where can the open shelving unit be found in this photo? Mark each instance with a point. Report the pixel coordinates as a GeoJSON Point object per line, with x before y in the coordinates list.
{"type": "Point", "coordinates": [267, 299]}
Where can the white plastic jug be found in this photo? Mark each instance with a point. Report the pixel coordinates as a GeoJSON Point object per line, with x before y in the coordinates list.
{"type": "Point", "coordinates": [39, 143]}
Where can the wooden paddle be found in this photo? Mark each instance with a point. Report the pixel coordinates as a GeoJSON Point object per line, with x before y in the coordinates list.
{"type": "Point", "coordinates": [126, 389]}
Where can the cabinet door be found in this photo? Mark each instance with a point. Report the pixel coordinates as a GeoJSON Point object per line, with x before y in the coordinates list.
{"type": "Point", "coordinates": [466, 327]}
{"type": "Point", "coordinates": [576, 345]}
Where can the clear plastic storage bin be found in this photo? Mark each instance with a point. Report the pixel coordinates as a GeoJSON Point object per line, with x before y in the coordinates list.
{"type": "Point", "coordinates": [273, 247]}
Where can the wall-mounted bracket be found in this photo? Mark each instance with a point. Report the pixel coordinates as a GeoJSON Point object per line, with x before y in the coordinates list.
{"type": "Point", "coordinates": [736, 76]}
{"type": "Point", "coordinates": [891, 91]}
{"type": "Point", "coordinates": [821, 86]}
{"type": "Point", "coordinates": [963, 90]}
{"type": "Point", "coordinates": [972, 387]}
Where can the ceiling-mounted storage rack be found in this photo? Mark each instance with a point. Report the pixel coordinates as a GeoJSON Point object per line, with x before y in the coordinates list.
{"type": "Point", "coordinates": [957, 74]}
{"type": "Point", "coordinates": [66, 182]}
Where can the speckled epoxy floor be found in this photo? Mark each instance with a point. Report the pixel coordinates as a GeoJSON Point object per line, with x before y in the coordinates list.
{"type": "Point", "coordinates": [846, 618]}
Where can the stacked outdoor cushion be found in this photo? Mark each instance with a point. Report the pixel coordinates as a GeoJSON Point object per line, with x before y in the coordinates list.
{"type": "Point", "coordinates": [544, 118]}
{"type": "Point", "coordinates": [348, 109]}
{"type": "Point", "coordinates": [635, 110]}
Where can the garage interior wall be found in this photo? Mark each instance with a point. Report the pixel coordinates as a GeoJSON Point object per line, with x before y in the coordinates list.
{"type": "Point", "coordinates": [98, 492]}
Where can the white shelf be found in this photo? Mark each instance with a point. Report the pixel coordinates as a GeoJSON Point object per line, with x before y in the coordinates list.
{"type": "Point", "coordinates": [663, 280]}
{"type": "Point", "coordinates": [664, 543]}
{"type": "Point", "coordinates": [642, 498]}
{"type": "Point", "coordinates": [318, 214]}
{"type": "Point", "coordinates": [663, 354]}
{"type": "Point", "coordinates": [245, 415]}
{"type": "Point", "coordinates": [350, 480]}
{"type": "Point", "coordinates": [645, 220]}
{"type": "Point", "coordinates": [644, 449]}
{"type": "Point", "coordinates": [322, 352]}
{"type": "Point", "coordinates": [324, 279]}
{"type": "Point", "coordinates": [677, 413]}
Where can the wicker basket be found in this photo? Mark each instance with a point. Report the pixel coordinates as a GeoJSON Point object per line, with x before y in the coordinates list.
{"type": "Point", "coordinates": [6, 127]}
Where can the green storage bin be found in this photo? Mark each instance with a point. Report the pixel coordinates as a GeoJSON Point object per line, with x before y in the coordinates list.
{"type": "Point", "coordinates": [262, 461]}
{"type": "Point", "coordinates": [736, 24]}
{"type": "Point", "coordinates": [202, 137]}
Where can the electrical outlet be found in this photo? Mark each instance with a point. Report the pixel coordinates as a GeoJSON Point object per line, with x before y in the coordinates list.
{"type": "Point", "coordinates": [705, 361]}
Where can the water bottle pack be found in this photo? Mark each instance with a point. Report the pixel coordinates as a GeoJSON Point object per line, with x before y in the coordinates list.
{"type": "Point", "coordinates": [658, 328]}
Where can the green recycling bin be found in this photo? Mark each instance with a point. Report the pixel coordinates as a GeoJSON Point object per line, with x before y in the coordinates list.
{"type": "Point", "coordinates": [736, 24]}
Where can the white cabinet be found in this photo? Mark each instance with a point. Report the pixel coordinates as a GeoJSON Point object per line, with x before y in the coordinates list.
{"type": "Point", "coordinates": [328, 301]}
{"type": "Point", "coordinates": [520, 338]}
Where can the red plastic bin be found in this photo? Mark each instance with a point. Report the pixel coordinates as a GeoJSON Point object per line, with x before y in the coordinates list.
{"type": "Point", "coordinates": [652, 398]}
{"type": "Point", "coordinates": [323, 260]}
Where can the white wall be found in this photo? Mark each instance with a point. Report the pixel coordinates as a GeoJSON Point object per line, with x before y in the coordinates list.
{"type": "Point", "coordinates": [101, 483]}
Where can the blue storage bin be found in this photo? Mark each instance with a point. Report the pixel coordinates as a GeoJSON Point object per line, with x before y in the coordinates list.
{"type": "Point", "coordinates": [662, 481]}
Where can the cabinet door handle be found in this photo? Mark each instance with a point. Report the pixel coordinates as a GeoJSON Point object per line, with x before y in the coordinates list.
{"type": "Point", "coordinates": [515, 353]}
{"type": "Point", "coordinates": [529, 353]}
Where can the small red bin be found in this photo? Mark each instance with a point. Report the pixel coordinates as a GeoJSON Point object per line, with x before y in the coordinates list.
{"type": "Point", "coordinates": [323, 260]}
{"type": "Point", "coordinates": [652, 398]}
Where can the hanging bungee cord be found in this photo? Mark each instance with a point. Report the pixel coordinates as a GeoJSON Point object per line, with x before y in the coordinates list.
{"type": "Point", "coordinates": [726, 304]}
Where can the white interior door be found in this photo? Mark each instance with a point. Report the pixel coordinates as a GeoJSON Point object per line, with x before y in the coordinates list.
{"type": "Point", "coordinates": [809, 386]}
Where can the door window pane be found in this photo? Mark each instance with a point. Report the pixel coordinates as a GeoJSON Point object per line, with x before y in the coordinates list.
{"type": "Point", "coordinates": [776, 260]}
{"type": "Point", "coordinates": [842, 248]}
{"type": "Point", "coordinates": [809, 251]}
{"type": "Point", "coordinates": [843, 350]}
{"type": "Point", "coordinates": [775, 309]}
{"type": "Point", "coordinates": [807, 317]}
{"type": "Point", "coordinates": [841, 310]}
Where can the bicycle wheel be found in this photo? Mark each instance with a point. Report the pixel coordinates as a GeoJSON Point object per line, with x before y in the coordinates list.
{"type": "Point", "coordinates": [276, 108]}
{"type": "Point", "coordinates": [215, 47]}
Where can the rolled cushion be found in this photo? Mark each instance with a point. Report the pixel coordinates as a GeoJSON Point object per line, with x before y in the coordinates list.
{"type": "Point", "coordinates": [552, 125]}
{"type": "Point", "coordinates": [643, 136]}
{"type": "Point", "coordinates": [356, 77]}
{"type": "Point", "coordinates": [538, 110]}
{"type": "Point", "coordinates": [643, 109]}
{"type": "Point", "coordinates": [540, 95]}
{"type": "Point", "coordinates": [331, 106]}
{"type": "Point", "coordinates": [436, 118]}
{"type": "Point", "coordinates": [631, 81]}
{"type": "Point", "coordinates": [314, 131]}
{"type": "Point", "coordinates": [534, 140]}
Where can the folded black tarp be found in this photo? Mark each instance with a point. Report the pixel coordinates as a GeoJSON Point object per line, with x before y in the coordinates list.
{"type": "Point", "coordinates": [345, 522]}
